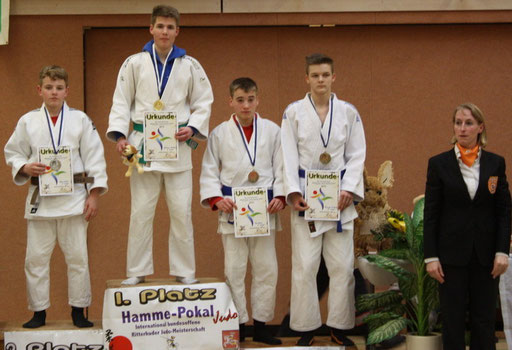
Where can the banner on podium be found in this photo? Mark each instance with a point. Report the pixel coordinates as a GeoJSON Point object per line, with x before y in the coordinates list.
{"type": "Point", "coordinates": [55, 339]}
{"type": "Point", "coordinates": [199, 316]}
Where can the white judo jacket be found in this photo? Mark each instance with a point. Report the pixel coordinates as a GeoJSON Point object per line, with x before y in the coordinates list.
{"type": "Point", "coordinates": [302, 146]}
{"type": "Point", "coordinates": [80, 134]}
{"type": "Point", "coordinates": [225, 162]}
{"type": "Point", "coordinates": [188, 93]}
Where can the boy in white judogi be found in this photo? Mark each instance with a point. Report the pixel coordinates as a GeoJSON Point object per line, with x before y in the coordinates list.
{"type": "Point", "coordinates": [321, 132]}
{"type": "Point", "coordinates": [245, 152]}
{"type": "Point", "coordinates": [161, 78]}
{"type": "Point", "coordinates": [64, 218]}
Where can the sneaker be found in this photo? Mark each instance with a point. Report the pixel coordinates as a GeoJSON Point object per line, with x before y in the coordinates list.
{"type": "Point", "coordinates": [306, 339]}
{"type": "Point", "coordinates": [242, 331]}
{"type": "Point", "coordinates": [38, 320]}
{"type": "Point", "coordinates": [338, 337]}
{"type": "Point", "coordinates": [263, 335]}
{"type": "Point", "coordinates": [79, 320]}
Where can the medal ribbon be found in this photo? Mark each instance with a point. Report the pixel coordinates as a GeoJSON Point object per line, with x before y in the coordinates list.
{"type": "Point", "coordinates": [330, 121]}
{"type": "Point", "coordinates": [159, 77]}
{"type": "Point", "coordinates": [255, 128]}
{"type": "Point", "coordinates": [60, 128]}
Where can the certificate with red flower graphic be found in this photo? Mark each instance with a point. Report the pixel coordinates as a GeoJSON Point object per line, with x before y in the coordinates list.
{"type": "Point", "coordinates": [251, 217]}
{"type": "Point", "coordinates": [58, 175]}
{"type": "Point", "coordinates": [322, 194]}
{"type": "Point", "coordinates": [159, 141]}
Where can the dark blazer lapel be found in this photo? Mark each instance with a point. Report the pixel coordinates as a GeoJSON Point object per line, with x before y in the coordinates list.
{"type": "Point", "coordinates": [454, 169]}
{"type": "Point", "coordinates": [484, 175]}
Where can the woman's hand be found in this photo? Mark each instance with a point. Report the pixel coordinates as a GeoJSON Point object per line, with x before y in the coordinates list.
{"type": "Point", "coordinates": [500, 265]}
{"type": "Point", "coordinates": [435, 271]}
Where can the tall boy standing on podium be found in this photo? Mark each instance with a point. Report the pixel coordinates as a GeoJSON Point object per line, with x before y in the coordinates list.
{"type": "Point", "coordinates": [245, 152]}
{"type": "Point", "coordinates": [61, 211]}
{"type": "Point", "coordinates": [321, 132]}
{"type": "Point", "coordinates": [161, 78]}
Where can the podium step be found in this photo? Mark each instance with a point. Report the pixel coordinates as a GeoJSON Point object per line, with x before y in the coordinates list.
{"type": "Point", "coordinates": [59, 334]}
{"type": "Point", "coordinates": [160, 281]}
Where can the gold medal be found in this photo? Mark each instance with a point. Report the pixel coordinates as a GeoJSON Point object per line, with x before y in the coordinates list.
{"type": "Point", "coordinates": [55, 164]}
{"type": "Point", "coordinates": [253, 176]}
{"type": "Point", "coordinates": [325, 158]}
{"type": "Point", "coordinates": [158, 105]}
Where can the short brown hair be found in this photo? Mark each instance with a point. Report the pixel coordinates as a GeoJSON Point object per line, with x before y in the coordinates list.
{"type": "Point", "coordinates": [246, 84]}
{"type": "Point", "coordinates": [479, 117]}
{"type": "Point", "coordinates": [53, 72]}
{"type": "Point", "coordinates": [165, 11]}
{"type": "Point", "coordinates": [318, 58]}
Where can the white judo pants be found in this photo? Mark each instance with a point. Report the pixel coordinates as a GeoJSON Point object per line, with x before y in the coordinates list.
{"type": "Point", "coordinates": [262, 255]}
{"type": "Point", "coordinates": [338, 252]}
{"type": "Point", "coordinates": [71, 233]}
{"type": "Point", "coordinates": [145, 191]}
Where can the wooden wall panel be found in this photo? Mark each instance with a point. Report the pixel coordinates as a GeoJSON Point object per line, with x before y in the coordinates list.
{"type": "Point", "coordinates": [273, 6]}
{"type": "Point", "coordinates": [78, 7]}
{"type": "Point", "coordinates": [100, 7]}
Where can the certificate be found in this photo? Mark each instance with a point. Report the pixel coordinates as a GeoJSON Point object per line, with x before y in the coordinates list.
{"type": "Point", "coordinates": [251, 216]}
{"type": "Point", "coordinates": [159, 141]}
{"type": "Point", "coordinates": [322, 195]}
{"type": "Point", "coordinates": [58, 175]}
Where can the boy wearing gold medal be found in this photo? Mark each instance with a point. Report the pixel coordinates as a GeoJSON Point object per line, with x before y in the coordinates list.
{"type": "Point", "coordinates": [52, 145]}
{"type": "Point", "coordinates": [321, 132]}
{"type": "Point", "coordinates": [245, 152]}
{"type": "Point", "coordinates": [145, 87]}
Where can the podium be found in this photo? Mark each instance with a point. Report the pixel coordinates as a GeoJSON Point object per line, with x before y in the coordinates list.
{"type": "Point", "coordinates": [159, 314]}
{"type": "Point", "coordinates": [61, 335]}
{"type": "Point", "coordinates": [164, 314]}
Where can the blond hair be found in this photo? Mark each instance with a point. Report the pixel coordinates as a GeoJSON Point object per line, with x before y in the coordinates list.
{"type": "Point", "coordinates": [479, 117]}
{"type": "Point", "coordinates": [53, 72]}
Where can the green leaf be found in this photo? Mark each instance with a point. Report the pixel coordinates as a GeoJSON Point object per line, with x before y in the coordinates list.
{"type": "Point", "coordinates": [386, 331]}
{"type": "Point", "coordinates": [408, 285]}
{"type": "Point", "coordinates": [375, 301]}
{"type": "Point", "coordinates": [409, 232]}
{"type": "Point", "coordinates": [388, 265]}
{"type": "Point", "coordinates": [380, 316]}
{"type": "Point", "coordinates": [374, 321]}
{"type": "Point", "coordinates": [417, 215]}
{"type": "Point", "coordinates": [394, 253]}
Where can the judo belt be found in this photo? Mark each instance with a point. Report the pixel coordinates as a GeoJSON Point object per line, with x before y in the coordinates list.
{"type": "Point", "coordinates": [302, 174]}
{"type": "Point", "coordinates": [77, 179]}
{"type": "Point", "coordinates": [140, 128]}
{"type": "Point", "coordinates": [228, 191]}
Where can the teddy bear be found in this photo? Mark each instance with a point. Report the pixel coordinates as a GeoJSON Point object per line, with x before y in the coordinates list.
{"type": "Point", "coordinates": [372, 211]}
{"type": "Point", "coordinates": [131, 158]}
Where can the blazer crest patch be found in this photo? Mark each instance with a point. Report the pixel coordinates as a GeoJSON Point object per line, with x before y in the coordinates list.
{"type": "Point", "coordinates": [492, 184]}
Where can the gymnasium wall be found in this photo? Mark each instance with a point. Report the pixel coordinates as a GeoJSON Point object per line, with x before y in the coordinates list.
{"type": "Point", "coordinates": [405, 72]}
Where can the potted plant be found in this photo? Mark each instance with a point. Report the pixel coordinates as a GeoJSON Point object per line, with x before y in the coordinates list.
{"type": "Point", "coordinates": [417, 297]}
{"type": "Point", "coordinates": [390, 235]}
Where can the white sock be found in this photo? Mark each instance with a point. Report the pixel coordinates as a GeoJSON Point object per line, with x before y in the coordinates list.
{"type": "Point", "coordinates": [133, 280]}
{"type": "Point", "coordinates": [186, 280]}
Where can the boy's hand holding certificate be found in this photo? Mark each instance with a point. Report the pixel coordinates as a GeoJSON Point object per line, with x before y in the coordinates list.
{"type": "Point", "coordinates": [322, 192]}
{"type": "Point", "coordinates": [58, 176]}
{"type": "Point", "coordinates": [251, 216]}
{"type": "Point", "coordinates": [159, 141]}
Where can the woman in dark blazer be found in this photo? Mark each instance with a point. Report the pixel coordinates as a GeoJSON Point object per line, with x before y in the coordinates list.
{"type": "Point", "coordinates": [467, 230]}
